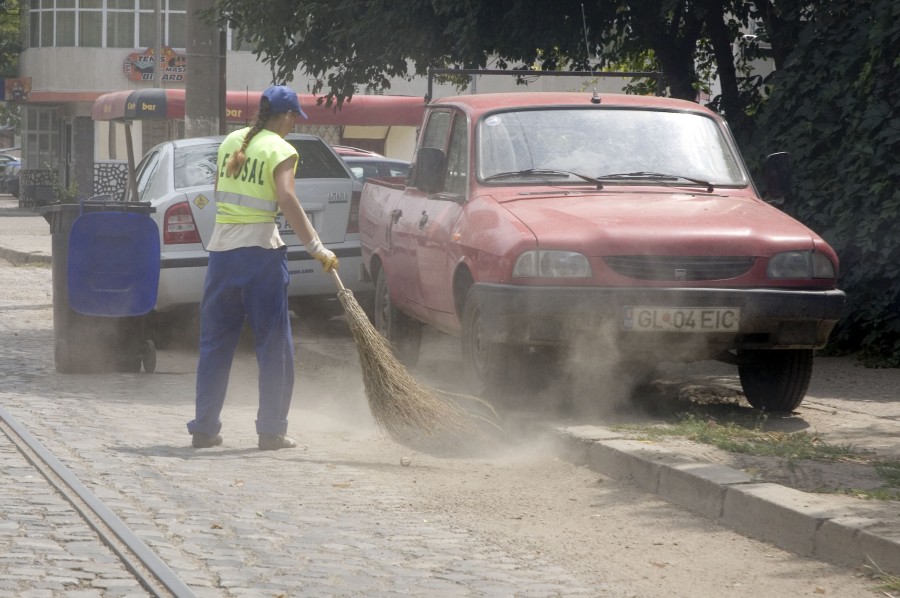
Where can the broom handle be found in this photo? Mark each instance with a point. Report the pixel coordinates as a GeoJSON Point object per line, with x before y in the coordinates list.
{"type": "Point", "coordinates": [337, 280]}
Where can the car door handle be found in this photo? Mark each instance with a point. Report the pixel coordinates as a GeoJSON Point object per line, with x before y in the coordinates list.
{"type": "Point", "coordinates": [423, 220]}
{"type": "Point", "coordinates": [389, 231]}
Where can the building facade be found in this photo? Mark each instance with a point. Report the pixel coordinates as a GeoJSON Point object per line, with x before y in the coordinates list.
{"type": "Point", "coordinates": [76, 51]}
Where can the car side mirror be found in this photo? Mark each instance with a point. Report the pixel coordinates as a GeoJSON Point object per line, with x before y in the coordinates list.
{"type": "Point", "coordinates": [428, 173]}
{"type": "Point", "coordinates": [778, 173]}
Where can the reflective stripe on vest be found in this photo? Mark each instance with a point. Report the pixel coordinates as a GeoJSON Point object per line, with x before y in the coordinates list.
{"type": "Point", "coordinates": [224, 199]}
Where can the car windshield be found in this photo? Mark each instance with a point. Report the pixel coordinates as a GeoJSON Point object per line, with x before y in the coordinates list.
{"type": "Point", "coordinates": [195, 165]}
{"type": "Point", "coordinates": [529, 145]}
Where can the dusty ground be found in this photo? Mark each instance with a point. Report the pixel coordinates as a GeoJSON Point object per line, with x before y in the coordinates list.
{"type": "Point", "coordinates": [847, 405]}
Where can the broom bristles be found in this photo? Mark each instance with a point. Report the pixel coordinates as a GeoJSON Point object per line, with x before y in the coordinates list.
{"type": "Point", "coordinates": [402, 406]}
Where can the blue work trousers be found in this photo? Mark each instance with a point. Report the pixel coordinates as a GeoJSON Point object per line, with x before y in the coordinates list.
{"type": "Point", "coordinates": [248, 282]}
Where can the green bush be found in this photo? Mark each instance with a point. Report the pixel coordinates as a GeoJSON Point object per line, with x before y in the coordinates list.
{"type": "Point", "coordinates": [836, 108]}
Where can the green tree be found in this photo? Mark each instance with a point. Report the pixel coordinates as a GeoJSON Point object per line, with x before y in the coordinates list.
{"type": "Point", "coordinates": [835, 106]}
{"type": "Point", "coordinates": [345, 44]}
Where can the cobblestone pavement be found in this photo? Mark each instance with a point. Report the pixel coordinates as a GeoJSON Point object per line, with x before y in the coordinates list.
{"type": "Point", "coordinates": [230, 521]}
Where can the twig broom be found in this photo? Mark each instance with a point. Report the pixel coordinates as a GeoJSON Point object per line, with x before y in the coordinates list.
{"type": "Point", "coordinates": [409, 411]}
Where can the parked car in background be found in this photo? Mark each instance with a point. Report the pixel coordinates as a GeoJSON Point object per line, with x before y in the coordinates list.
{"type": "Point", "coordinates": [366, 164]}
{"type": "Point", "coordinates": [9, 176]}
{"type": "Point", "coordinates": [177, 178]}
{"type": "Point", "coordinates": [536, 225]}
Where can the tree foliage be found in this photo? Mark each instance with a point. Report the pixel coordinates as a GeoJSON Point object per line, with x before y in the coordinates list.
{"type": "Point", "coordinates": [348, 44]}
{"type": "Point", "coordinates": [835, 106]}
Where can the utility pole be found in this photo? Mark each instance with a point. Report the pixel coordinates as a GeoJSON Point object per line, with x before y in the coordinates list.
{"type": "Point", "coordinates": [204, 92]}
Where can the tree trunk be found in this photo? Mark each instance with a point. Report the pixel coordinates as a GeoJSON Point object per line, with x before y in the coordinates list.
{"type": "Point", "coordinates": [721, 40]}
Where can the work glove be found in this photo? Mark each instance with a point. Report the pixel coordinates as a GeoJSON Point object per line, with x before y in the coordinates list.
{"type": "Point", "coordinates": [328, 260]}
{"type": "Point", "coordinates": [324, 256]}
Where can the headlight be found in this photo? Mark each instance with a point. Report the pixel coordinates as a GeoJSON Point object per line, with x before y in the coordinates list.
{"type": "Point", "coordinates": [800, 264]}
{"type": "Point", "coordinates": [551, 264]}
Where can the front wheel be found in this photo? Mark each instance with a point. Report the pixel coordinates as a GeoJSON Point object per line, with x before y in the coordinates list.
{"type": "Point", "coordinates": [402, 332]}
{"type": "Point", "coordinates": [775, 380]}
{"type": "Point", "coordinates": [488, 364]}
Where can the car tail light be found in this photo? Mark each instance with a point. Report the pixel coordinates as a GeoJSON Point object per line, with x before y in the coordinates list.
{"type": "Point", "coordinates": [179, 225]}
{"type": "Point", "coordinates": [353, 221]}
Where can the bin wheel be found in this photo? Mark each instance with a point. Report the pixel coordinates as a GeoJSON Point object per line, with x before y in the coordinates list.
{"type": "Point", "coordinates": [149, 356]}
{"type": "Point", "coordinates": [130, 364]}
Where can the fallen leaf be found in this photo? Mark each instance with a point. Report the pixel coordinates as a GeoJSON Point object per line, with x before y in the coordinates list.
{"type": "Point", "coordinates": [341, 485]}
{"type": "Point", "coordinates": [216, 526]}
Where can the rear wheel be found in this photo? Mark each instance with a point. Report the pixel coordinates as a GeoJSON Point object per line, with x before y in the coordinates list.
{"type": "Point", "coordinates": [775, 380]}
{"type": "Point", "coordinates": [401, 331]}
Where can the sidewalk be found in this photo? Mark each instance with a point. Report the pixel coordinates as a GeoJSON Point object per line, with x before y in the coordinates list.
{"type": "Point", "coordinates": [24, 234]}
{"type": "Point", "coordinates": [837, 528]}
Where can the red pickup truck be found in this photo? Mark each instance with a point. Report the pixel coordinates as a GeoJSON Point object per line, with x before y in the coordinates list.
{"type": "Point", "coordinates": [532, 222]}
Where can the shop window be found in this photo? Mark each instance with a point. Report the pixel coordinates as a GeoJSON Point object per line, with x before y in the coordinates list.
{"type": "Point", "coordinates": [115, 24]}
{"type": "Point", "coordinates": [119, 29]}
{"type": "Point", "coordinates": [90, 29]}
{"type": "Point", "coordinates": [40, 134]}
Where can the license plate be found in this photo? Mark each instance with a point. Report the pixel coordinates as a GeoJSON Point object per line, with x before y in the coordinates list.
{"type": "Point", "coordinates": [683, 319]}
{"type": "Point", "coordinates": [283, 226]}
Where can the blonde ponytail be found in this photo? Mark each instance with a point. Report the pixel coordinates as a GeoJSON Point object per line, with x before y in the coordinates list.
{"type": "Point", "coordinates": [236, 161]}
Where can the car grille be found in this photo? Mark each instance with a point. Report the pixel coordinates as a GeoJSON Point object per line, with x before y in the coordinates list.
{"type": "Point", "coordinates": [678, 268]}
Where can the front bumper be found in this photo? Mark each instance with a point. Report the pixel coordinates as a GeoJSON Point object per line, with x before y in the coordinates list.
{"type": "Point", "coordinates": [552, 315]}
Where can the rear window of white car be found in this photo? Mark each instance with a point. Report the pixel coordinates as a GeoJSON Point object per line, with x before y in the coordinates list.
{"type": "Point", "coordinates": [196, 165]}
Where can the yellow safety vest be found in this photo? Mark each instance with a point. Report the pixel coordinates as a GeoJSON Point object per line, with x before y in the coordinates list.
{"type": "Point", "coordinates": [250, 197]}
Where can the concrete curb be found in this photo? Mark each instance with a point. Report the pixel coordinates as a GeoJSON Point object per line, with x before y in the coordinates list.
{"type": "Point", "coordinates": [803, 523]}
{"type": "Point", "coordinates": [20, 258]}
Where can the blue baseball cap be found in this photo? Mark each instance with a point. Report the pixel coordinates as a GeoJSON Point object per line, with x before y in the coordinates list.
{"type": "Point", "coordinates": [283, 99]}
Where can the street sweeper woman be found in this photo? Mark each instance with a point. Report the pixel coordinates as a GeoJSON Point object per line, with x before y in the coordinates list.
{"type": "Point", "coordinates": [248, 275]}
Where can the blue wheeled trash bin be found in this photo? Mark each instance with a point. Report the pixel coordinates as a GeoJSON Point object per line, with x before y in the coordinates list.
{"type": "Point", "coordinates": [105, 261]}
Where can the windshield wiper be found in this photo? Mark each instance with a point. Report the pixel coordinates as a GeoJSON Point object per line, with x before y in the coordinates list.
{"type": "Point", "coordinates": [658, 176]}
{"type": "Point", "coordinates": [543, 172]}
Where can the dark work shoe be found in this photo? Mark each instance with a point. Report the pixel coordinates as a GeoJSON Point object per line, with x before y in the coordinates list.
{"type": "Point", "coordinates": [202, 440]}
{"type": "Point", "coordinates": [273, 442]}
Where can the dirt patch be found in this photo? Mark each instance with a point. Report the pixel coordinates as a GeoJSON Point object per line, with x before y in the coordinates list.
{"type": "Point", "coordinates": [718, 398]}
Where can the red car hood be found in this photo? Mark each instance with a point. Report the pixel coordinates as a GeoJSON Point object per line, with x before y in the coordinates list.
{"type": "Point", "coordinates": [620, 222]}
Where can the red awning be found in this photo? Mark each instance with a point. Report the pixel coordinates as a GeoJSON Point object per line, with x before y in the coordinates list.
{"type": "Point", "coordinates": [241, 107]}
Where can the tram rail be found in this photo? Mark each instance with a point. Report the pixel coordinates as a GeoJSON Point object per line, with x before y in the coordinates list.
{"type": "Point", "coordinates": [145, 565]}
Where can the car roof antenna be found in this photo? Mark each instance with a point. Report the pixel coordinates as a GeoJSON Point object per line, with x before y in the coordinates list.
{"type": "Point", "coordinates": [595, 97]}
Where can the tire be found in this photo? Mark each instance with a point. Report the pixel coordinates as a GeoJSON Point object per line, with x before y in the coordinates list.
{"type": "Point", "coordinates": [149, 357]}
{"type": "Point", "coordinates": [174, 329]}
{"type": "Point", "coordinates": [402, 332]}
{"type": "Point", "coordinates": [488, 365]}
{"type": "Point", "coordinates": [775, 380]}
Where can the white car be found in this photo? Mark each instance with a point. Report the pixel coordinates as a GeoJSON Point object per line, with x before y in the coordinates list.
{"type": "Point", "coordinates": [177, 178]}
